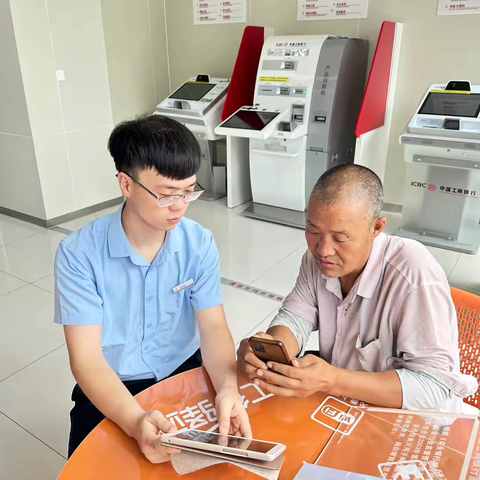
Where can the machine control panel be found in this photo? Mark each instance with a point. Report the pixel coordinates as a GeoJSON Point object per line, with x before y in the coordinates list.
{"type": "Point", "coordinates": [272, 90]}
{"type": "Point", "coordinates": [446, 118]}
{"type": "Point", "coordinates": [196, 96]}
{"type": "Point", "coordinates": [447, 111]}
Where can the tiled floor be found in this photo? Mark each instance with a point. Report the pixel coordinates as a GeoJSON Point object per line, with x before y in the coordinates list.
{"type": "Point", "coordinates": [35, 379]}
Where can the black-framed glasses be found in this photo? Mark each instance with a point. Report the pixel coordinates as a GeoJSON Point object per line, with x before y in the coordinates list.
{"type": "Point", "coordinates": [169, 200]}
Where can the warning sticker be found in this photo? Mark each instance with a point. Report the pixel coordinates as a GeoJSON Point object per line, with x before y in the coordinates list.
{"type": "Point", "coordinates": [450, 91]}
{"type": "Point", "coordinates": [274, 79]}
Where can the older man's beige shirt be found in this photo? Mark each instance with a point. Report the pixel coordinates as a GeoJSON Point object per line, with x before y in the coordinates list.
{"type": "Point", "coordinates": [398, 315]}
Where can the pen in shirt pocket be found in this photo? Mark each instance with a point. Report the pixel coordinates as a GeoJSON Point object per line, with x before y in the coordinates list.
{"type": "Point", "coordinates": [183, 286]}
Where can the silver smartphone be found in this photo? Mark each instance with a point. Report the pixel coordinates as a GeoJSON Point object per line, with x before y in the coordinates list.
{"type": "Point", "coordinates": [228, 444]}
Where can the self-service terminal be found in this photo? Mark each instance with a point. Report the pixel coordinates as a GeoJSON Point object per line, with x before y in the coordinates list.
{"type": "Point", "coordinates": [442, 151]}
{"type": "Point", "coordinates": [198, 104]}
{"type": "Point", "coordinates": [307, 96]}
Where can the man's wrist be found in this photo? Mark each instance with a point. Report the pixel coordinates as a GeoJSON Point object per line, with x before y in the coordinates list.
{"type": "Point", "coordinates": [331, 381]}
{"type": "Point", "coordinates": [132, 421]}
{"type": "Point", "coordinates": [228, 387]}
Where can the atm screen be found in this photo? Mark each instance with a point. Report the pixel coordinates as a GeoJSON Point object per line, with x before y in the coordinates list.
{"type": "Point", "coordinates": [192, 91]}
{"type": "Point", "coordinates": [250, 120]}
{"type": "Point", "coordinates": [451, 105]}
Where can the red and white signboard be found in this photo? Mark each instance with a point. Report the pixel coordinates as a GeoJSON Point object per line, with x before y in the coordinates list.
{"type": "Point", "coordinates": [458, 7]}
{"type": "Point", "coordinates": [219, 11]}
{"type": "Point", "coordinates": [330, 10]}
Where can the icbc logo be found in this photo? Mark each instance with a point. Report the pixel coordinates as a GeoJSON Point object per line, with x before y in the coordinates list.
{"type": "Point", "coordinates": [431, 186]}
{"type": "Point", "coordinates": [418, 184]}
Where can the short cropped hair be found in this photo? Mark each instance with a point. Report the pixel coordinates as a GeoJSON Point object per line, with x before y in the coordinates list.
{"type": "Point", "coordinates": [349, 182]}
{"type": "Point", "coordinates": [156, 142]}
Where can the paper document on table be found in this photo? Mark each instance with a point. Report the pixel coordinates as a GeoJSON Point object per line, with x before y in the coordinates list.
{"type": "Point", "coordinates": [217, 11]}
{"type": "Point", "coordinates": [189, 462]}
{"type": "Point", "coordinates": [406, 445]}
{"type": "Point", "coordinates": [458, 7]}
{"type": "Point", "coordinates": [329, 10]}
{"type": "Point", "coordinates": [315, 472]}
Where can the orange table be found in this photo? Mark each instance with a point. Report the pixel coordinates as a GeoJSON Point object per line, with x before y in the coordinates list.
{"type": "Point", "coordinates": [338, 432]}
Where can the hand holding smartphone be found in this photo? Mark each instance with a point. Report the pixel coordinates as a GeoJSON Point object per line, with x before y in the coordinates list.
{"type": "Point", "coordinates": [269, 350]}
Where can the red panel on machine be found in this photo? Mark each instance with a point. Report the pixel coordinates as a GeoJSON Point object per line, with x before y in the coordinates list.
{"type": "Point", "coordinates": [372, 111]}
{"type": "Point", "coordinates": [242, 85]}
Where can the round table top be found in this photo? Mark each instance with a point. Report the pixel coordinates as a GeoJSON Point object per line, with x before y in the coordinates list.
{"type": "Point", "coordinates": [188, 400]}
{"type": "Point", "coordinates": [330, 431]}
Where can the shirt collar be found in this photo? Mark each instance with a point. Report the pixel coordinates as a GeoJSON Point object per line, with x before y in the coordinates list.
{"type": "Point", "coordinates": [367, 282]}
{"type": "Point", "coordinates": [119, 246]}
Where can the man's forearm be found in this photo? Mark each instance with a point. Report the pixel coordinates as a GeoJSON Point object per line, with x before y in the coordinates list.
{"type": "Point", "coordinates": [107, 392]}
{"type": "Point", "coordinates": [285, 335]}
{"type": "Point", "coordinates": [383, 389]}
{"type": "Point", "coordinates": [218, 354]}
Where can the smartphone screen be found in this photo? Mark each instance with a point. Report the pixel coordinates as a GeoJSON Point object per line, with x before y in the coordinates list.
{"type": "Point", "coordinates": [226, 441]}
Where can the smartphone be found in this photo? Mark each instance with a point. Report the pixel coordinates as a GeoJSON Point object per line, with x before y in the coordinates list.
{"type": "Point", "coordinates": [269, 350]}
{"type": "Point", "coordinates": [228, 444]}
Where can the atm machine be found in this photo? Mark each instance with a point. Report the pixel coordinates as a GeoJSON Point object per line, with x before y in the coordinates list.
{"type": "Point", "coordinates": [307, 96]}
{"type": "Point", "coordinates": [198, 104]}
{"type": "Point", "coordinates": [442, 151]}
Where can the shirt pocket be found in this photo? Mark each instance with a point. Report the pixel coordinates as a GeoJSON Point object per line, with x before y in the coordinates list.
{"type": "Point", "coordinates": [171, 309]}
{"type": "Point", "coordinates": [369, 356]}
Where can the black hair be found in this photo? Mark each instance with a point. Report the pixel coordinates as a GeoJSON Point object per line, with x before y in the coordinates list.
{"type": "Point", "coordinates": [352, 182]}
{"type": "Point", "coordinates": [155, 142]}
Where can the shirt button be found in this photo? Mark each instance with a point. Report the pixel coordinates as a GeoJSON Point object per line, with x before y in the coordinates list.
{"type": "Point", "coordinates": [339, 337]}
{"type": "Point", "coordinates": [149, 325]}
{"type": "Point", "coordinates": [158, 370]}
{"type": "Point", "coordinates": [145, 347]}
{"type": "Point", "coordinates": [149, 299]}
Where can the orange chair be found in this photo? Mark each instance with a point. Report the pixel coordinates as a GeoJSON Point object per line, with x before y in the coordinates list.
{"type": "Point", "coordinates": [468, 314]}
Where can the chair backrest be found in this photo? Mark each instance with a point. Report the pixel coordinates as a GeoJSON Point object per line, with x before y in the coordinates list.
{"type": "Point", "coordinates": [468, 315]}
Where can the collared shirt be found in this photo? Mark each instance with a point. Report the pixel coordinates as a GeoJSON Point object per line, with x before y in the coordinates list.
{"type": "Point", "coordinates": [399, 314]}
{"type": "Point", "coordinates": [148, 325]}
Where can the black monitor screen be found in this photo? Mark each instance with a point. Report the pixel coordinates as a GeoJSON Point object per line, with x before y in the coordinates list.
{"type": "Point", "coordinates": [250, 120]}
{"type": "Point", "coordinates": [192, 91]}
{"type": "Point", "coordinates": [451, 105]}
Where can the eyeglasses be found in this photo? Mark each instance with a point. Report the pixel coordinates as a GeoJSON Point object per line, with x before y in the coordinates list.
{"type": "Point", "coordinates": [168, 200]}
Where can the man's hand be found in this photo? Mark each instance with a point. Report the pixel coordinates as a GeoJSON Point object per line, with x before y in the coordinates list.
{"type": "Point", "coordinates": [248, 362]}
{"type": "Point", "coordinates": [308, 375]}
{"type": "Point", "coordinates": [147, 432]}
{"type": "Point", "coordinates": [231, 414]}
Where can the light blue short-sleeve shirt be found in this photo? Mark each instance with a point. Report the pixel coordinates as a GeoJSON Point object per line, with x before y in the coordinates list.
{"type": "Point", "coordinates": [147, 311]}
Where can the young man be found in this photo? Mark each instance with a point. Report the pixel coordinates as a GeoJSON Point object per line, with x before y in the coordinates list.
{"type": "Point", "coordinates": [138, 292]}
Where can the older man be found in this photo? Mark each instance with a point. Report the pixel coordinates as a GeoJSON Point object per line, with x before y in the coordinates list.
{"type": "Point", "coordinates": [381, 304]}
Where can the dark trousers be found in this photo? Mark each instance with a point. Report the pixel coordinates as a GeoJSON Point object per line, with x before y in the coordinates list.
{"type": "Point", "coordinates": [84, 416]}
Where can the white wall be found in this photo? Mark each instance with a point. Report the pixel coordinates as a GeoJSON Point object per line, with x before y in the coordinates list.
{"type": "Point", "coordinates": [19, 180]}
{"type": "Point", "coordinates": [135, 41]}
{"type": "Point", "coordinates": [70, 120]}
{"type": "Point", "coordinates": [113, 55]}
